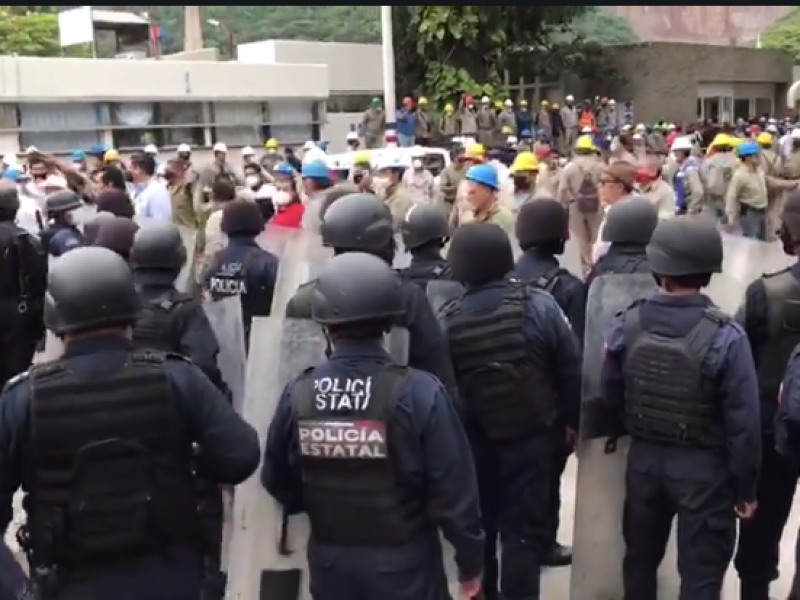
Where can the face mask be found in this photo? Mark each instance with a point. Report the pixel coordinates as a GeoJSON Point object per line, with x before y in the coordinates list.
{"type": "Point", "coordinates": [282, 198]}
{"type": "Point", "coordinates": [380, 186]}
{"type": "Point", "coordinates": [417, 164]}
{"type": "Point", "coordinates": [184, 156]}
{"type": "Point", "coordinates": [252, 181]}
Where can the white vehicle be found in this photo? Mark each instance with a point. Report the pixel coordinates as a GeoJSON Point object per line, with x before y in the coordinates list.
{"type": "Point", "coordinates": [435, 159]}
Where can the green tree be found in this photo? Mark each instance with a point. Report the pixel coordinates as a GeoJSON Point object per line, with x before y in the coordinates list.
{"type": "Point", "coordinates": [32, 34]}
{"type": "Point", "coordinates": [597, 26]}
{"type": "Point", "coordinates": [785, 35]}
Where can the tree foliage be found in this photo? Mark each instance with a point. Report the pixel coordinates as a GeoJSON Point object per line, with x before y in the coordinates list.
{"type": "Point", "coordinates": [785, 35]}
{"type": "Point", "coordinates": [27, 33]}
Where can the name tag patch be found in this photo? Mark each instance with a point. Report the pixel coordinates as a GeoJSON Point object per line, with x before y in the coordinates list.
{"type": "Point", "coordinates": [343, 439]}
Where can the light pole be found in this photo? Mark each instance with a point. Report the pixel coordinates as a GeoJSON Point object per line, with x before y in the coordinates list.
{"type": "Point", "coordinates": [387, 52]}
{"type": "Point", "coordinates": [231, 37]}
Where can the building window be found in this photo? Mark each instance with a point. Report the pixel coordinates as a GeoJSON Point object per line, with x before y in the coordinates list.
{"type": "Point", "coordinates": [291, 122]}
{"type": "Point", "coordinates": [58, 127]}
{"type": "Point", "coordinates": [238, 123]}
{"type": "Point", "coordinates": [741, 108]}
{"type": "Point", "coordinates": [165, 124]}
{"type": "Point", "coordinates": [347, 103]}
{"type": "Point", "coordinates": [764, 107]}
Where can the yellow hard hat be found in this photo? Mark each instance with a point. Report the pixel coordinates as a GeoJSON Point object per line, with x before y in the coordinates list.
{"type": "Point", "coordinates": [765, 138]}
{"type": "Point", "coordinates": [721, 139]}
{"type": "Point", "coordinates": [585, 142]}
{"type": "Point", "coordinates": [272, 144]}
{"type": "Point", "coordinates": [525, 161]}
{"type": "Point", "coordinates": [506, 130]}
{"type": "Point", "coordinates": [448, 107]}
{"type": "Point", "coordinates": [523, 102]}
{"type": "Point", "coordinates": [555, 106]}
{"type": "Point", "coordinates": [475, 151]}
{"type": "Point", "coordinates": [362, 158]}
{"type": "Point", "coordinates": [735, 142]}
{"type": "Point", "coordinates": [498, 104]}
{"type": "Point", "coordinates": [423, 101]}
{"type": "Point", "coordinates": [110, 155]}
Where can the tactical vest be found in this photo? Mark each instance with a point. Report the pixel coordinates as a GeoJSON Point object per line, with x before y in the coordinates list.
{"type": "Point", "coordinates": [548, 280]}
{"type": "Point", "coordinates": [350, 488]}
{"type": "Point", "coordinates": [110, 467]}
{"type": "Point", "coordinates": [504, 382]}
{"type": "Point", "coordinates": [158, 326]}
{"type": "Point", "coordinates": [667, 397]}
{"type": "Point", "coordinates": [783, 309]}
{"type": "Point", "coordinates": [422, 273]}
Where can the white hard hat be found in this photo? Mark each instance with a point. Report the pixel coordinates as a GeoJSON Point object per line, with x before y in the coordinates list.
{"type": "Point", "coordinates": [309, 145]}
{"type": "Point", "coordinates": [389, 160]}
{"type": "Point", "coordinates": [219, 147]}
{"type": "Point", "coordinates": [641, 127]}
{"type": "Point", "coordinates": [10, 159]}
{"type": "Point", "coordinates": [509, 102]}
{"type": "Point", "coordinates": [512, 139]}
{"type": "Point", "coordinates": [795, 135]}
{"type": "Point", "coordinates": [352, 136]}
{"type": "Point", "coordinates": [570, 98]}
{"type": "Point", "coordinates": [184, 149]}
{"type": "Point", "coordinates": [638, 136]}
{"type": "Point", "coordinates": [485, 100]}
{"type": "Point", "coordinates": [682, 143]}
{"type": "Point", "coordinates": [611, 101]}
{"type": "Point", "coordinates": [31, 149]}
{"type": "Point", "coordinates": [248, 151]}
{"type": "Point", "coordinates": [150, 149]}
{"type": "Point", "coordinates": [772, 128]}
{"type": "Point", "coordinates": [586, 129]}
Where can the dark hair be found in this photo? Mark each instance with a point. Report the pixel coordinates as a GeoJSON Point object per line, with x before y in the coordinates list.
{"type": "Point", "coordinates": [223, 190]}
{"type": "Point", "coordinates": [144, 162]}
{"type": "Point", "coordinates": [113, 177]}
{"type": "Point", "coordinates": [115, 202]}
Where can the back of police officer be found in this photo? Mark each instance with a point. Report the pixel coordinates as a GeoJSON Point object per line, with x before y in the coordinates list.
{"type": "Point", "coordinates": [23, 278]}
{"type": "Point", "coordinates": [770, 315]}
{"type": "Point", "coordinates": [373, 452]}
{"type": "Point", "coordinates": [628, 227]}
{"type": "Point", "coordinates": [682, 374]}
{"type": "Point", "coordinates": [243, 268]}
{"type": "Point", "coordinates": [362, 223]}
{"type": "Point", "coordinates": [518, 368]}
{"type": "Point", "coordinates": [425, 232]}
{"type": "Point", "coordinates": [101, 440]}
{"type": "Point", "coordinates": [170, 321]}
{"type": "Point", "coordinates": [62, 233]}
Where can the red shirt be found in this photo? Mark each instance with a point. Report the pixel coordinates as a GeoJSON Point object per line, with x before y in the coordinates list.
{"type": "Point", "coordinates": [290, 216]}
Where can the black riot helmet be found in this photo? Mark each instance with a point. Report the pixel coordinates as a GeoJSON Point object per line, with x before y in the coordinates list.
{"type": "Point", "coordinates": [422, 225]}
{"type": "Point", "coordinates": [158, 247]}
{"type": "Point", "coordinates": [92, 227]}
{"type": "Point", "coordinates": [241, 218]}
{"type": "Point", "coordinates": [356, 287]}
{"type": "Point", "coordinates": [340, 190]}
{"type": "Point", "coordinates": [480, 253]}
{"type": "Point", "coordinates": [631, 221]}
{"type": "Point", "coordinates": [541, 221]}
{"type": "Point", "coordinates": [9, 203]}
{"type": "Point", "coordinates": [88, 289]}
{"type": "Point", "coordinates": [359, 222]}
{"type": "Point", "coordinates": [61, 202]}
{"type": "Point", "coordinates": [686, 245]}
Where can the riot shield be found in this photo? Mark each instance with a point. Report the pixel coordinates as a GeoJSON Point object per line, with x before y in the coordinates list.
{"type": "Point", "coordinates": [571, 259]}
{"type": "Point", "coordinates": [225, 316]}
{"type": "Point", "coordinates": [440, 292]}
{"type": "Point", "coordinates": [267, 549]}
{"type": "Point", "coordinates": [401, 256]}
{"type": "Point", "coordinates": [53, 349]}
{"type": "Point", "coordinates": [396, 343]}
{"type": "Point", "coordinates": [598, 545]}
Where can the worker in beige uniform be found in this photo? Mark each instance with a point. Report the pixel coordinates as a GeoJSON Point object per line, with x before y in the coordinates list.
{"type": "Point", "coordinates": [482, 187]}
{"type": "Point", "coordinates": [652, 187]}
{"type": "Point", "coordinates": [451, 178]}
{"type": "Point", "coordinates": [387, 185]}
{"type": "Point", "coordinates": [474, 154]}
{"type": "Point", "coordinates": [716, 173]}
{"type": "Point", "coordinates": [771, 163]}
{"type": "Point", "coordinates": [746, 197]}
{"type": "Point", "coordinates": [578, 192]}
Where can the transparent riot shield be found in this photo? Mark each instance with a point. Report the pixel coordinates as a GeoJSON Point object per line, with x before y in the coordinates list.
{"type": "Point", "coordinates": [571, 259]}
{"type": "Point", "coordinates": [396, 343]}
{"type": "Point", "coordinates": [598, 545]}
{"type": "Point", "coordinates": [401, 256]}
{"type": "Point", "coordinates": [267, 549]}
{"type": "Point", "coordinates": [225, 316]}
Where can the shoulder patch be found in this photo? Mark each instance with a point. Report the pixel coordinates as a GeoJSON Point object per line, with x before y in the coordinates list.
{"type": "Point", "coordinates": [16, 380]}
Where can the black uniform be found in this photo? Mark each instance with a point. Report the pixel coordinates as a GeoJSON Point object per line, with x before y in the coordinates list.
{"type": "Point", "coordinates": [374, 504]}
{"type": "Point", "coordinates": [362, 223]}
{"type": "Point", "coordinates": [628, 228]}
{"type": "Point", "coordinates": [425, 232]}
{"type": "Point", "coordinates": [62, 233]}
{"type": "Point", "coordinates": [111, 501]}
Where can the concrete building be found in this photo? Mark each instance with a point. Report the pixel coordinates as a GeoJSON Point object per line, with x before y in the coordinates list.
{"type": "Point", "coordinates": [60, 104]}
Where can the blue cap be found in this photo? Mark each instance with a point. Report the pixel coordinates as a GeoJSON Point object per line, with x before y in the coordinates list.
{"type": "Point", "coordinates": [747, 149]}
{"type": "Point", "coordinates": [316, 169]}
{"type": "Point", "coordinates": [485, 175]}
{"type": "Point", "coordinates": [97, 150]}
{"type": "Point", "coordinates": [285, 168]}
{"type": "Point", "coordinates": [78, 156]}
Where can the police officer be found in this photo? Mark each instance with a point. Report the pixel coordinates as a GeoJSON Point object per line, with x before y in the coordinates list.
{"type": "Point", "coordinates": [682, 374]}
{"type": "Point", "coordinates": [628, 228]}
{"type": "Point", "coordinates": [518, 368]}
{"type": "Point", "coordinates": [362, 223]}
{"type": "Point", "coordinates": [62, 233]}
{"type": "Point", "coordinates": [425, 232]}
{"type": "Point", "coordinates": [770, 315]}
{"type": "Point", "coordinates": [117, 234]}
{"type": "Point", "coordinates": [92, 227]}
{"type": "Point", "coordinates": [542, 231]}
{"type": "Point", "coordinates": [23, 279]}
{"type": "Point", "coordinates": [112, 430]}
{"type": "Point", "coordinates": [392, 464]}
{"type": "Point", "coordinates": [170, 321]}
{"type": "Point", "coordinates": [243, 268]}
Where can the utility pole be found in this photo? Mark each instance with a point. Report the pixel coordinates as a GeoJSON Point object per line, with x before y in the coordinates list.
{"type": "Point", "coordinates": [193, 28]}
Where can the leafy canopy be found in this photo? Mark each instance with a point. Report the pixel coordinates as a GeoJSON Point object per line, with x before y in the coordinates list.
{"type": "Point", "coordinates": [785, 35]}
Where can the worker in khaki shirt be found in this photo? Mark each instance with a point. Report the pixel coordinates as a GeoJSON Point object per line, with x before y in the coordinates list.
{"type": "Point", "coordinates": [483, 187]}
{"type": "Point", "coordinates": [717, 173]}
{"type": "Point", "coordinates": [771, 163]}
{"type": "Point", "coordinates": [524, 171]}
{"type": "Point", "coordinates": [222, 192]}
{"type": "Point", "coordinates": [655, 190]}
{"type": "Point", "coordinates": [549, 172]}
{"type": "Point", "coordinates": [474, 154]}
{"type": "Point", "coordinates": [746, 198]}
{"type": "Point", "coordinates": [578, 192]}
{"type": "Point", "coordinates": [450, 179]}
{"type": "Point", "coordinates": [387, 185]}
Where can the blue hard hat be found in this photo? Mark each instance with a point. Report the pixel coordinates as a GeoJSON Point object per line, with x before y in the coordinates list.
{"type": "Point", "coordinates": [746, 149]}
{"type": "Point", "coordinates": [316, 169]}
{"type": "Point", "coordinates": [97, 150]}
{"type": "Point", "coordinates": [78, 156]}
{"type": "Point", "coordinates": [14, 174]}
{"type": "Point", "coordinates": [285, 168]}
{"type": "Point", "coordinates": [485, 175]}
{"type": "Point", "coordinates": [526, 133]}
